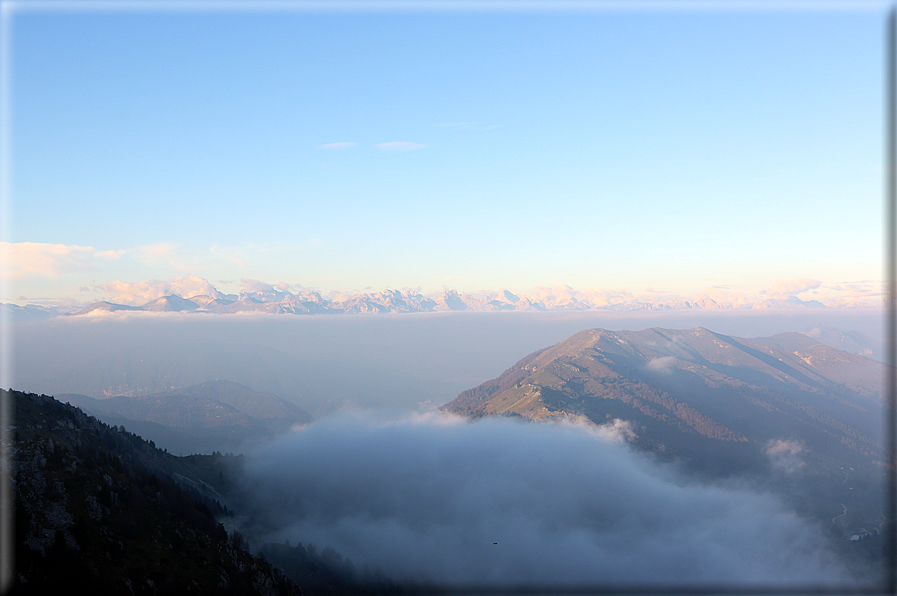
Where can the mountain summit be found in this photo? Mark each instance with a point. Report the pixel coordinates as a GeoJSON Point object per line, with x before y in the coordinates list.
{"type": "Point", "coordinates": [695, 392]}
{"type": "Point", "coordinates": [777, 408]}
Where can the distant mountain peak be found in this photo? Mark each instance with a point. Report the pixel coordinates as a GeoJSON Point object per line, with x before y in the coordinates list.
{"type": "Point", "coordinates": [106, 306]}
{"type": "Point", "coordinates": [170, 303]}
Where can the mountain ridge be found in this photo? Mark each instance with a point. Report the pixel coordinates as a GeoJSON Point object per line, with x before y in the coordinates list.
{"type": "Point", "coordinates": [786, 411]}
{"type": "Point", "coordinates": [102, 509]}
{"type": "Point", "coordinates": [686, 379]}
{"type": "Point", "coordinates": [308, 301]}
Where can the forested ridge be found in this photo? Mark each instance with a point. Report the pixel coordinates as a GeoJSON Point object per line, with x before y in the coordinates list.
{"type": "Point", "coordinates": [101, 509]}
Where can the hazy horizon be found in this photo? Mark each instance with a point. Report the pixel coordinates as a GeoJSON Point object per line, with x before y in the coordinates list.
{"type": "Point", "coordinates": [404, 361]}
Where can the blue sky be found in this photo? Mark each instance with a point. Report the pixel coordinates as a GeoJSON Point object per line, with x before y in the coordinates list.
{"type": "Point", "coordinates": [674, 150]}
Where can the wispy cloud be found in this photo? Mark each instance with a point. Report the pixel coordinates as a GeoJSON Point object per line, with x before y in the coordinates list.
{"type": "Point", "coordinates": [663, 365]}
{"type": "Point", "coordinates": [188, 261]}
{"type": "Point", "coordinates": [141, 292]}
{"type": "Point", "coordinates": [400, 146]}
{"type": "Point", "coordinates": [338, 146]}
{"type": "Point", "coordinates": [853, 293]}
{"type": "Point", "coordinates": [785, 455]}
{"type": "Point", "coordinates": [794, 287]}
{"type": "Point", "coordinates": [25, 259]}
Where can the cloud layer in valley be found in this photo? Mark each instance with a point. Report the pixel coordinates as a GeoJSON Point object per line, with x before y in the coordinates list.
{"type": "Point", "coordinates": [499, 502]}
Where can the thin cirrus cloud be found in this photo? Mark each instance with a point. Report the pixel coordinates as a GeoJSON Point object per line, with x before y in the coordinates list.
{"type": "Point", "coordinates": [399, 146]}
{"type": "Point", "coordinates": [34, 260]}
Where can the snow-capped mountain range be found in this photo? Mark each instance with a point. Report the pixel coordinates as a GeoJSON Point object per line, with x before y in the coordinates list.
{"type": "Point", "coordinates": [408, 301]}
{"type": "Point", "coordinates": [401, 301]}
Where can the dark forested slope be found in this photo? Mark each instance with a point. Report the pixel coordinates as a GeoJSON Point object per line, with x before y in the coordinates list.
{"type": "Point", "coordinates": [100, 509]}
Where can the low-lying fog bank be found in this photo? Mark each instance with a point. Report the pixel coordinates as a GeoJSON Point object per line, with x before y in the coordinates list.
{"type": "Point", "coordinates": [436, 498]}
